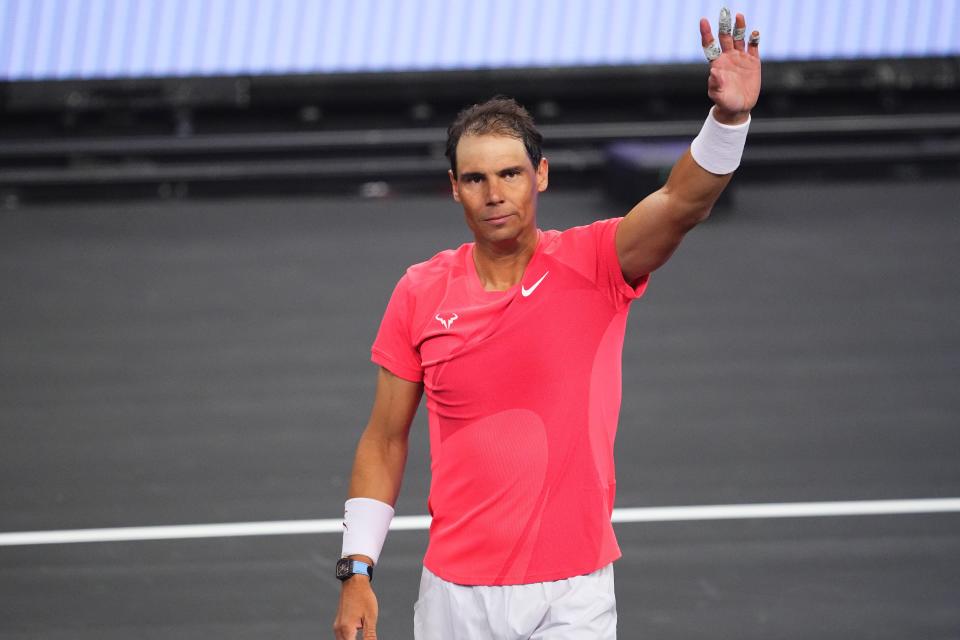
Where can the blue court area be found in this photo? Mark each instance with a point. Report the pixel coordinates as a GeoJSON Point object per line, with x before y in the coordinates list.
{"type": "Point", "coordinates": [206, 361]}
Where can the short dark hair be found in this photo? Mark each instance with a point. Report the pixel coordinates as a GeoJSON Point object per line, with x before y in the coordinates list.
{"type": "Point", "coordinates": [500, 116]}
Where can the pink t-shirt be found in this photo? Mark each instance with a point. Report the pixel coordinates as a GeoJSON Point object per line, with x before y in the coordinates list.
{"type": "Point", "coordinates": [523, 396]}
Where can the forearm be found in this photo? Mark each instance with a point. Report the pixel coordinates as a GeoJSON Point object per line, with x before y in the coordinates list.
{"type": "Point", "coordinates": [700, 175]}
{"type": "Point", "coordinates": [653, 229]}
{"type": "Point", "coordinates": [378, 467]}
{"type": "Point", "coordinates": [374, 486]}
{"type": "Point", "coordinates": [691, 191]}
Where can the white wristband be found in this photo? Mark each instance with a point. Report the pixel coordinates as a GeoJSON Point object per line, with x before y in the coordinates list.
{"type": "Point", "coordinates": [718, 147]}
{"type": "Point", "coordinates": [365, 525]}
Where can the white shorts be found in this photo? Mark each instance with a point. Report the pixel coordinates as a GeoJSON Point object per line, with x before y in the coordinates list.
{"type": "Point", "coordinates": [580, 607]}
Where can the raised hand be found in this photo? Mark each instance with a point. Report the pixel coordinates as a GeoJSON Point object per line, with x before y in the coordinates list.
{"type": "Point", "coordinates": [734, 83]}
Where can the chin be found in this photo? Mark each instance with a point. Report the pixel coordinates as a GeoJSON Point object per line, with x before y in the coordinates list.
{"type": "Point", "coordinates": [510, 232]}
{"type": "Point", "coordinates": [505, 233]}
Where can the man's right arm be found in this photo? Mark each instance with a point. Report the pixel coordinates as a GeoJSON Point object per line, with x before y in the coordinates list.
{"type": "Point", "coordinates": [377, 474]}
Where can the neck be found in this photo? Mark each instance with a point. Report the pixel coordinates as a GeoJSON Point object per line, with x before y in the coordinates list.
{"type": "Point", "coordinates": [501, 266]}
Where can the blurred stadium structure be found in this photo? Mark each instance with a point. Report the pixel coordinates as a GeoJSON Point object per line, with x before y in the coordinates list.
{"type": "Point", "coordinates": [174, 97]}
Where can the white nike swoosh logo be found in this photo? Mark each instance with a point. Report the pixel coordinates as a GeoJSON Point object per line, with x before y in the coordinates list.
{"type": "Point", "coordinates": [526, 292]}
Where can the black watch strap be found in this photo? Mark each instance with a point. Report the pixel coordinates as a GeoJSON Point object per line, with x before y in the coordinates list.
{"type": "Point", "coordinates": [347, 567]}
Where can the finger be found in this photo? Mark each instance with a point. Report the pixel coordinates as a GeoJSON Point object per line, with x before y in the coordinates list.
{"type": "Point", "coordinates": [342, 631]}
{"type": "Point", "coordinates": [710, 48]}
{"type": "Point", "coordinates": [739, 31]}
{"type": "Point", "coordinates": [370, 628]}
{"type": "Point", "coordinates": [706, 35]}
{"type": "Point", "coordinates": [753, 47]}
{"type": "Point", "coordinates": [725, 30]}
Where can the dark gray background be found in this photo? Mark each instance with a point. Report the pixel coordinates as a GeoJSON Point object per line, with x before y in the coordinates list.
{"type": "Point", "coordinates": [207, 361]}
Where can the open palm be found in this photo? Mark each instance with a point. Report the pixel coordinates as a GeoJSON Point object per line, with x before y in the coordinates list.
{"type": "Point", "coordinates": [734, 83]}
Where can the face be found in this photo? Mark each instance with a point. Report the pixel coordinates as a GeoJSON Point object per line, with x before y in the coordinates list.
{"type": "Point", "coordinates": [498, 187]}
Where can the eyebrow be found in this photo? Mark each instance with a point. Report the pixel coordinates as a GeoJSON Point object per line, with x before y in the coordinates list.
{"type": "Point", "coordinates": [476, 174]}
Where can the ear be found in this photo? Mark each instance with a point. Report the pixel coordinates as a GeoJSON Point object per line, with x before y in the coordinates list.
{"type": "Point", "coordinates": [543, 172]}
{"type": "Point", "coordinates": [453, 185]}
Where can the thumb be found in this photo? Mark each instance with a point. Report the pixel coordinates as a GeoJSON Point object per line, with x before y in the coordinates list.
{"type": "Point", "coordinates": [716, 78]}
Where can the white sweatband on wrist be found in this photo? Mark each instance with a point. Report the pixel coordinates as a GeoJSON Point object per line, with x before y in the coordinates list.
{"type": "Point", "coordinates": [718, 147]}
{"type": "Point", "coordinates": [365, 525]}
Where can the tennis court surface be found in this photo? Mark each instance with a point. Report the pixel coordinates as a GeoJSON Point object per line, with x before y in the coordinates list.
{"type": "Point", "coordinates": [206, 362]}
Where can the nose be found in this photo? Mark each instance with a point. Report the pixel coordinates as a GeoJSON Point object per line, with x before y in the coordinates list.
{"type": "Point", "coordinates": [494, 196]}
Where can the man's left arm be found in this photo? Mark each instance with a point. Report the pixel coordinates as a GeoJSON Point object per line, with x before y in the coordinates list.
{"type": "Point", "coordinates": [650, 233]}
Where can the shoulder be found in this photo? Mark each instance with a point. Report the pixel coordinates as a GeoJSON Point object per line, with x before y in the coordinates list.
{"type": "Point", "coordinates": [422, 276]}
{"type": "Point", "coordinates": [593, 229]}
{"type": "Point", "coordinates": [581, 237]}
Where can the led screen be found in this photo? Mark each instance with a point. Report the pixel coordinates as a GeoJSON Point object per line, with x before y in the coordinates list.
{"type": "Point", "coordinates": [52, 39]}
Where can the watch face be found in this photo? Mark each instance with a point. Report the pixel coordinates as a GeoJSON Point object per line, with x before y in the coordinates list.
{"type": "Point", "coordinates": [347, 567]}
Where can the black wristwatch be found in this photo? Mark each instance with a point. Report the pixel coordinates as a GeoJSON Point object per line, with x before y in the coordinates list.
{"type": "Point", "coordinates": [347, 567]}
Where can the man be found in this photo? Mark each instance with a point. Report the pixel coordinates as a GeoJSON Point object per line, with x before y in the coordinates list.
{"type": "Point", "coordinates": [517, 340]}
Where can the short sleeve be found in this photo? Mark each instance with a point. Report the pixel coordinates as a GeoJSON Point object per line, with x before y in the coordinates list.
{"type": "Point", "coordinates": [393, 348]}
{"type": "Point", "coordinates": [592, 251]}
{"type": "Point", "coordinates": [610, 274]}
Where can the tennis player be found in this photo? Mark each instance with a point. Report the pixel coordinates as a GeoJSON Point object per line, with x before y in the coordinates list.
{"type": "Point", "coordinates": [516, 339]}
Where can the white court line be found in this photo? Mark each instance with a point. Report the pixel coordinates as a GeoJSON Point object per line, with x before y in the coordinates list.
{"type": "Point", "coordinates": [408, 523]}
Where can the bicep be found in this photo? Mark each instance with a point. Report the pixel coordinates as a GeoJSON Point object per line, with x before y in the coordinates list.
{"type": "Point", "coordinates": [382, 450]}
{"type": "Point", "coordinates": [394, 405]}
{"type": "Point", "coordinates": [652, 231]}
{"type": "Point", "coordinates": [648, 235]}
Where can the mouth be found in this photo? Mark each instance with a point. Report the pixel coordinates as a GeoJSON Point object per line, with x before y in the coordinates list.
{"type": "Point", "coordinates": [498, 220]}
